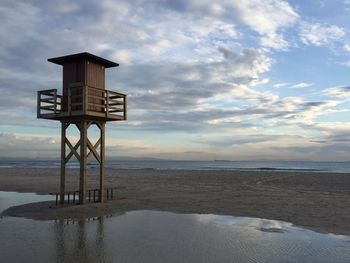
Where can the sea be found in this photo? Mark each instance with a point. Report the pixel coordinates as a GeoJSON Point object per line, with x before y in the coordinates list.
{"type": "Point", "coordinates": [160, 164]}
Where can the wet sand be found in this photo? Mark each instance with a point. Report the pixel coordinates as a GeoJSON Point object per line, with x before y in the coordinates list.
{"type": "Point", "coordinates": [318, 201]}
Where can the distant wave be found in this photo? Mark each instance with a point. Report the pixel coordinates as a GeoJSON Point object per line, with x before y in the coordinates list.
{"type": "Point", "coordinates": [262, 169]}
{"type": "Point", "coordinates": [290, 169]}
{"type": "Point", "coordinates": [223, 165]}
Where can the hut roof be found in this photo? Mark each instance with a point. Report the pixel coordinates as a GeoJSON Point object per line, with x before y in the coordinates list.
{"type": "Point", "coordinates": [83, 56]}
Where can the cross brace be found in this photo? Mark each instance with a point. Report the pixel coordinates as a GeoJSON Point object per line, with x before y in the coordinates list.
{"type": "Point", "coordinates": [85, 145]}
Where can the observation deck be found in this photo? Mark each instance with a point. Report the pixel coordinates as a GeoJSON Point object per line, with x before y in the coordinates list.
{"type": "Point", "coordinates": [82, 102]}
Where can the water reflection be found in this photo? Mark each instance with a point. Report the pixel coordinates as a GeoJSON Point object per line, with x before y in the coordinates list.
{"type": "Point", "coordinates": [150, 236]}
{"type": "Point", "coordinates": [75, 241]}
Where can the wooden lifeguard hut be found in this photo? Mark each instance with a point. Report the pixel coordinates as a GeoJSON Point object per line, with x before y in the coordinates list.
{"type": "Point", "coordinates": [84, 102]}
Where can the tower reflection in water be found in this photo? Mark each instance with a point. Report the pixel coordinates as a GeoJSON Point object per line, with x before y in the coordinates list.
{"type": "Point", "coordinates": [80, 240]}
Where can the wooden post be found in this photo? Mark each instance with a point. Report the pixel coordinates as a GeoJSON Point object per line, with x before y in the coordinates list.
{"type": "Point", "coordinates": [63, 161]}
{"type": "Point", "coordinates": [69, 102]}
{"type": "Point", "coordinates": [83, 161]}
{"type": "Point", "coordinates": [102, 161]}
{"type": "Point", "coordinates": [38, 104]}
{"type": "Point", "coordinates": [125, 108]}
{"type": "Point", "coordinates": [85, 99]}
{"type": "Point", "coordinates": [55, 101]}
{"type": "Point", "coordinates": [107, 103]}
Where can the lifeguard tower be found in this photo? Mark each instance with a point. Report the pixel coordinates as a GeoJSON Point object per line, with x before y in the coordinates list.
{"type": "Point", "coordinates": [84, 102]}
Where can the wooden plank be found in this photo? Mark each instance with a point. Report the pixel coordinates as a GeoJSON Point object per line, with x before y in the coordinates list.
{"type": "Point", "coordinates": [115, 117]}
{"type": "Point", "coordinates": [73, 149]}
{"type": "Point", "coordinates": [101, 125]}
{"type": "Point", "coordinates": [76, 103]}
{"type": "Point", "coordinates": [116, 103]}
{"type": "Point", "coordinates": [97, 97]}
{"type": "Point", "coordinates": [50, 101]}
{"type": "Point", "coordinates": [48, 92]}
{"type": "Point", "coordinates": [38, 104]}
{"type": "Point", "coordinates": [78, 127]}
{"type": "Point", "coordinates": [47, 107]}
{"type": "Point", "coordinates": [116, 110]}
{"type": "Point", "coordinates": [117, 96]}
{"type": "Point", "coordinates": [77, 113]}
{"type": "Point", "coordinates": [63, 161]}
{"type": "Point", "coordinates": [96, 105]}
{"type": "Point", "coordinates": [69, 101]}
{"type": "Point", "coordinates": [95, 147]}
{"type": "Point", "coordinates": [107, 102]}
{"type": "Point", "coordinates": [47, 100]}
{"type": "Point", "coordinates": [95, 88]}
{"type": "Point", "coordinates": [85, 100]}
{"type": "Point", "coordinates": [76, 146]}
{"type": "Point", "coordinates": [117, 93]}
{"type": "Point", "coordinates": [55, 102]}
{"type": "Point", "coordinates": [95, 75]}
{"type": "Point", "coordinates": [83, 161]}
{"type": "Point", "coordinates": [75, 84]}
{"type": "Point", "coordinates": [95, 113]}
{"type": "Point", "coordinates": [125, 108]}
{"type": "Point", "coordinates": [93, 150]}
{"type": "Point", "coordinates": [76, 96]}
{"type": "Point", "coordinates": [88, 124]}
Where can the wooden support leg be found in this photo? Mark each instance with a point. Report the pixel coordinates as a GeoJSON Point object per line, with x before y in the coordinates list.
{"type": "Point", "coordinates": [83, 161]}
{"type": "Point", "coordinates": [63, 161]}
{"type": "Point", "coordinates": [102, 161]}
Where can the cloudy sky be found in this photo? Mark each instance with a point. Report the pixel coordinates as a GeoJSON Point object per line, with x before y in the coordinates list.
{"type": "Point", "coordinates": [257, 79]}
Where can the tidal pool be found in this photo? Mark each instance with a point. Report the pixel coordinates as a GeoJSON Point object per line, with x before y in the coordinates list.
{"type": "Point", "coordinates": [152, 236]}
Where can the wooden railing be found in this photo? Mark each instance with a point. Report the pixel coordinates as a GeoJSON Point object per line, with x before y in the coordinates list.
{"type": "Point", "coordinates": [104, 101]}
{"type": "Point", "coordinates": [48, 102]}
{"type": "Point", "coordinates": [72, 197]}
{"type": "Point", "coordinates": [83, 100]}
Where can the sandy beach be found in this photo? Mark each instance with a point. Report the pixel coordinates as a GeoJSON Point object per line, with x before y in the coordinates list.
{"type": "Point", "coordinates": [318, 201]}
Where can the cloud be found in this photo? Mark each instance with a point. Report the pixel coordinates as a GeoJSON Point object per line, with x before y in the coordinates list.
{"type": "Point", "coordinates": [270, 17]}
{"type": "Point", "coordinates": [17, 17]}
{"type": "Point", "coordinates": [229, 141]}
{"type": "Point", "coordinates": [339, 92]}
{"type": "Point", "coordinates": [347, 63]}
{"type": "Point", "coordinates": [293, 85]}
{"type": "Point", "coordinates": [28, 146]}
{"type": "Point", "coordinates": [267, 18]}
{"type": "Point", "coordinates": [347, 48]}
{"type": "Point", "coordinates": [189, 67]}
{"type": "Point", "coordinates": [178, 94]}
{"type": "Point", "coordinates": [302, 85]}
{"type": "Point", "coordinates": [282, 84]}
{"type": "Point", "coordinates": [320, 34]}
{"type": "Point", "coordinates": [347, 5]}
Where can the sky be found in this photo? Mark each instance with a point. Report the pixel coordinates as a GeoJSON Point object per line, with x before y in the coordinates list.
{"type": "Point", "coordinates": [235, 80]}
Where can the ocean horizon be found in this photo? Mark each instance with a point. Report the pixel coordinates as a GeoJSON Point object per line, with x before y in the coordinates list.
{"type": "Point", "coordinates": [161, 164]}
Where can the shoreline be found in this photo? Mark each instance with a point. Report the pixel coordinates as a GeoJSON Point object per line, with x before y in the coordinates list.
{"type": "Point", "coordinates": [258, 169]}
{"type": "Point", "coordinates": [317, 201]}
